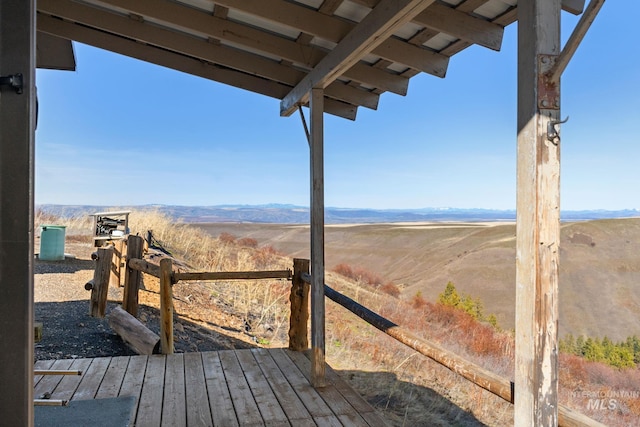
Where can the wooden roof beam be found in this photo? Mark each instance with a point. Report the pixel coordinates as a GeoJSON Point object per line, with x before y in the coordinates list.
{"type": "Point", "coordinates": [221, 29]}
{"type": "Point", "coordinates": [334, 29]}
{"type": "Point", "coordinates": [198, 48]}
{"type": "Point", "coordinates": [461, 25]}
{"type": "Point", "coordinates": [155, 55]}
{"type": "Point", "coordinates": [378, 25]}
{"type": "Point", "coordinates": [456, 23]}
{"type": "Point", "coordinates": [572, 6]}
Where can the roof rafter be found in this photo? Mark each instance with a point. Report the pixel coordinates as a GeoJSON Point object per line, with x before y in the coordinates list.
{"type": "Point", "coordinates": [334, 29]}
{"type": "Point", "coordinates": [575, 7]}
{"type": "Point", "coordinates": [222, 29]}
{"type": "Point", "coordinates": [456, 23]}
{"type": "Point", "coordinates": [461, 25]}
{"type": "Point", "coordinates": [377, 26]}
{"type": "Point", "coordinates": [155, 55]}
{"type": "Point", "coordinates": [198, 48]}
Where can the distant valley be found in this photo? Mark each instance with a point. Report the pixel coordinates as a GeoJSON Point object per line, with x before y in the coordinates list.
{"type": "Point", "coordinates": [291, 214]}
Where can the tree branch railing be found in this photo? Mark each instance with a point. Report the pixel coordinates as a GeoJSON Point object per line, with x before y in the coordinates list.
{"type": "Point", "coordinates": [489, 381]}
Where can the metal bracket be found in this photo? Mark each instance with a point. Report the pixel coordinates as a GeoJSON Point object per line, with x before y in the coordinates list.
{"type": "Point", "coordinates": [552, 131]}
{"type": "Point", "coordinates": [548, 89]}
{"type": "Point", "coordinates": [14, 81]}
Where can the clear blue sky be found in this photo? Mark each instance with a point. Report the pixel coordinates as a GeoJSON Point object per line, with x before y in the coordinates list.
{"type": "Point", "coordinates": [122, 132]}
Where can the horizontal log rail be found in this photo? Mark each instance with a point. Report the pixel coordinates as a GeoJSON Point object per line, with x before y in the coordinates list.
{"type": "Point", "coordinates": [144, 266]}
{"type": "Point", "coordinates": [154, 270]}
{"type": "Point", "coordinates": [497, 385]}
{"type": "Point", "coordinates": [235, 275]}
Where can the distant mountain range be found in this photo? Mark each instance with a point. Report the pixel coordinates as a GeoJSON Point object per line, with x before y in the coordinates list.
{"type": "Point", "coordinates": [291, 214]}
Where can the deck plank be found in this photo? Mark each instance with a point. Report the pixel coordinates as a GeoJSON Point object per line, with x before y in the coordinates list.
{"type": "Point", "coordinates": [42, 365]}
{"type": "Point", "coordinates": [222, 410]}
{"type": "Point", "coordinates": [134, 379]}
{"type": "Point", "coordinates": [149, 410]}
{"type": "Point", "coordinates": [69, 383]}
{"type": "Point", "coordinates": [243, 401]}
{"type": "Point", "coordinates": [198, 411]}
{"type": "Point", "coordinates": [49, 383]}
{"type": "Point", "coordinates": [268, 404]}
{"type": "Point", "coordinates": [91, 379]}
{"type": "Point", "coordinates": [338, 404]}
{"type": "Point", "coordinates": [174, 406]}
{"type": "Point", "coordinates": [314, 403]}
{"type": "Point", "coordinates": [113, 378]}
{"type": "Point", "coordinates": [286, 395]}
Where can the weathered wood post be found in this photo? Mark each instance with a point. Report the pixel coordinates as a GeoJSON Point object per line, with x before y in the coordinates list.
{"type": "Point", "coordinates": [538, 215]}
{"type": "Point", "coordinates": [100, 282]}
{"type": "Point", "coordinates": [17, 136]}
{"type": "Point", "coordinates": [317, 239]}
{"type": "Point", "coordinates": [116, 267]}
{"type": "Point", "coordinates": [166, 306]}
{"type": "Point", "coordinates": [299, 298]}
{"type": "Point", "coordinates": [132, 277]}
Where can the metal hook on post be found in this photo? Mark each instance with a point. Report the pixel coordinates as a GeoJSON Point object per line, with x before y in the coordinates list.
{"type": "Point", "coordinates": [553, 134]}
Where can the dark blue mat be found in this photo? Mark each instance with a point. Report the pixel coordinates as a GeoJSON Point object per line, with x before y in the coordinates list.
{"type": "Point", "coordinates": [115, 412]}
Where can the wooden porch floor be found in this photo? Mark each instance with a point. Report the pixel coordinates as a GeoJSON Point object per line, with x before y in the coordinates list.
{"type": "Point", "coordinates": [224, 388]}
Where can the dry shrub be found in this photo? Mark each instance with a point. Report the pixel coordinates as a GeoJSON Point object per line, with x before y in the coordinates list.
{"type": "Point", "coordinates": [248, 242]}
{"type": "Point", "coordinates": [418, 301]}
{"type": "Point", "coordinates": [359, 274]}
{"type": "Point", "coordinates": [344, 270]}
{"type": "Point", "coordinates": [390, 288]}
{"type": "Point", "coordinates": [227, 238]}
{"type": "Point", "coordinates": [264, 256]}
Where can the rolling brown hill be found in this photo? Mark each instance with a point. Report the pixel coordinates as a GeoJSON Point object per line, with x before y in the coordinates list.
{"type": "Point", "coordinates": [599, 270]}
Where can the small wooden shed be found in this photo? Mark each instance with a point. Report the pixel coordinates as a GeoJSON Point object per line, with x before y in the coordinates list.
{"type": "Point", "coordinates": [333, 56]}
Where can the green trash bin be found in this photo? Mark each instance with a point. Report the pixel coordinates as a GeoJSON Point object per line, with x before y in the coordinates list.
{"type": "Point", "coordinates": [52, 242]}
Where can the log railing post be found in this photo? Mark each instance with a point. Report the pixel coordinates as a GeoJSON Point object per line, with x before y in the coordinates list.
{"type": "Point", "coordinates": [116, 266]}
{"type": "Point", "coordinates": [166, 306]}
{"type": "Point", "coordinates": [132, 277]}
{"type": "Point", "coordinates": [299, 298]}
{"type": "Point", "coordinates": [100, 288]}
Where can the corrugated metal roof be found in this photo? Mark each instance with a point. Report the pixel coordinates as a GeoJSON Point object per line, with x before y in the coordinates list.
{"type": "Point", "coordinates": [269, 46]}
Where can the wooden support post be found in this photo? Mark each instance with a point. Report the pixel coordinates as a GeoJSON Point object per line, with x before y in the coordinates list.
{"type": "Point", "coordinates": [133, 332]}
{"type": "Point", "coordinates": [100, 288]}
{"type": "Point", "coordinates": [317, 239]}
{"type": "Point", "coordinates": [538, 216]}
{"type": "Point", "coordinates": [166, 306]}
{"type": "Point", "coordinates": [116, 266]}
{"type": "Point", "coordinates": [17, 130]}
{"type": "Point", "coordinates": [132, 277]}
{"type": "Point", "coordinates": [299, 298]}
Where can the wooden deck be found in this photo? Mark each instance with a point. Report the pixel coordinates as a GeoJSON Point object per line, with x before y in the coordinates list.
{"type": "Point", "coordinates": [225, 388]}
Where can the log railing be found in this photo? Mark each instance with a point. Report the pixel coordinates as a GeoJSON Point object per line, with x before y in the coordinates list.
{"type": "Point", "coordinates": [168, 277]}
{"type": "Point", "coordinates": [497, 385]}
